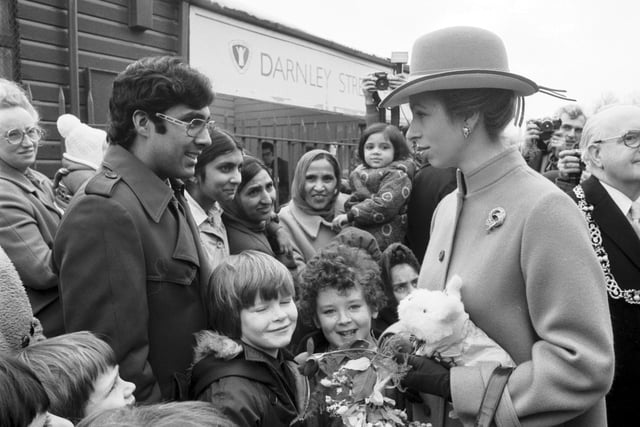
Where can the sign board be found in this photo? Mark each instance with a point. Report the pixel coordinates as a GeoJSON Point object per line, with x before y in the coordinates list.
{"type": "Point", "coordinates": [248, 61]}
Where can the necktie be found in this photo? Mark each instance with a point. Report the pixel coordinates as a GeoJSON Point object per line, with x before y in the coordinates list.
{"type": "Point", "coordinates": [634, 216]}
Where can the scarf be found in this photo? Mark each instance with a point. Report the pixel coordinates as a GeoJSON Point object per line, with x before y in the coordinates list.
{"type": "Point", "coordinates": [297, 187]}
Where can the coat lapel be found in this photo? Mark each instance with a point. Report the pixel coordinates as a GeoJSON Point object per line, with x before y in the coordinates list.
{"type": "Point", "coordinates": [611, 220]}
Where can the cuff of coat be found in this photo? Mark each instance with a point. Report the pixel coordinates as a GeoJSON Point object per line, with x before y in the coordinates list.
{"type": "Point", "coordinates": [350, 216]}
{"type": "Point", "coordinates": [468, 384]}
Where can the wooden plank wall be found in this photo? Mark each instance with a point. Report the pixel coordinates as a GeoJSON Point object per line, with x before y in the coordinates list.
{"type": "Point", "coordinates": [105, 42]}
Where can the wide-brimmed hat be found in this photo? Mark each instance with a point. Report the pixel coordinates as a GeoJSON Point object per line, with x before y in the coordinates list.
{"type": "Point", "coordinates": [461, 58]}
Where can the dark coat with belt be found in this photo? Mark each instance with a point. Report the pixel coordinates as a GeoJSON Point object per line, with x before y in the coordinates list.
{"type": "Point", "coordinates": [623, 249]}
{"type": "Point", "coordinates": [130, 270]}
{"type": "Point", "coordinates": [28, 223]}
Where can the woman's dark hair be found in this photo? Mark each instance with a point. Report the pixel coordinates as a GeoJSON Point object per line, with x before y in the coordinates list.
{"type": "Point", "coordinates": [153, 85]}
{"type": "Point", "coordinates": [222, 142]}
{"type": "Point", "coordinates": [391, 134]}
{"type": "Point", "coordinates": [22, 395]}
{"type": "Point", "coordinates": [251, 166]}
{"type": "Point", "coordinates": [496, 106]}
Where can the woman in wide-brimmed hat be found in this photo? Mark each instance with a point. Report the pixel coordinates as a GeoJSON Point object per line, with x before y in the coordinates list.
{"type": "Point", "coordinates": [530, 277]}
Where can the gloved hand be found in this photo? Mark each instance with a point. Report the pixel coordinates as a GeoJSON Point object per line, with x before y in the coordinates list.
{"type": "Point", "coordinates": [427, 376]}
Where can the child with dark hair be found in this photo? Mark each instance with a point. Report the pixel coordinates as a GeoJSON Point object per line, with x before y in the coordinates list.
{"type": "Point", "coordinates": [340, 292]}
{"type": "Point", "coordinates": [23, 400]}
{"type": "Point", "coordinates": [381, 185]}
{"type": "Point", "coordinates": [239, 363]}
{"type": "Point", "coordinates": [79, 373]}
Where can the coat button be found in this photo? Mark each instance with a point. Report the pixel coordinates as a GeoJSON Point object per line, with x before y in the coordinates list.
{"type": "Point", "coordinates": [110, 174]}
{"type": "Point", "coordinates": [441, 256]}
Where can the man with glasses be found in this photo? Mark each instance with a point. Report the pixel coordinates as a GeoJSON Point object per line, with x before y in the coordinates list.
{"type": "Point", "coordinates": [610, 201]}
{"type": "Point", "coordinates": [29, 217]}
{"type": "Point", "coordinates": [130, 261]}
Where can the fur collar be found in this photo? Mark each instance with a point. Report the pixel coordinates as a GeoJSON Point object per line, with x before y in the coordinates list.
{"type": "Point", "coordinates": [210, 342]}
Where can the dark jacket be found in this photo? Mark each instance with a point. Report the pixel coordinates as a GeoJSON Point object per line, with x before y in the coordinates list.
{"type": "Point", "coordinates": [250, 387]}
{"type": "Point", "coordinates": [28, 223]}
{"type": "Point", "coordinates": [430, 185]}
{"type": "Point", "coordinates": [130, 270]}
{"type": "Point", "coordinates": [623, 249]}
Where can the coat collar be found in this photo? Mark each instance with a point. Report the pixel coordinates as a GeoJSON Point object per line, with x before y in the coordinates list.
{"type": "Point", "coordinates": [311, 224]}
{"type": "Point", "coordinates": [611, 220]}
{"type": "Point", "coordinates": [491, 171]}
{"type": "Point", "coordinates": [153, 193]}
{"type": "Point", "coordinates": [18, 178]}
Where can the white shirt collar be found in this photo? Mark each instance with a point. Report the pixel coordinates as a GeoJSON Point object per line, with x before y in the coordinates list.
{"type": "Point", "coordinates": [199, 215]}
{"type": "Point", "coordinates": [618, 197]}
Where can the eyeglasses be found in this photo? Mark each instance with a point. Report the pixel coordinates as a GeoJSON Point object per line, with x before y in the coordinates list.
{"type": "Point", "coordinates": [631, 139]}
{"type": "Point", "coordinates": [16, 136]}
{"type": "Point", "coordinates": [193, 128]}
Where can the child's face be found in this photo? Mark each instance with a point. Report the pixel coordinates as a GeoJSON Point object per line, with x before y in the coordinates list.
{"type": "Point", "coordinates": [378, 152]}
{"type": "Point", "coordinates": [110, 391]}
{"type": "Point", "coordinates": [343, 318]}
{"type": "Point", "coordinates": [268, 325]}
{"type": "Point", "coordinates": [404, 280]}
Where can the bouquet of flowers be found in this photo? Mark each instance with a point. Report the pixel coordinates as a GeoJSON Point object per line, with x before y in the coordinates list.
{"type": "Point", "coordinates": [351, 383]}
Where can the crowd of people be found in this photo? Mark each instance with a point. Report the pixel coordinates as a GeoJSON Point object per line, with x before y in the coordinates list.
{"type": "Point", "coordinates": [167, 277]}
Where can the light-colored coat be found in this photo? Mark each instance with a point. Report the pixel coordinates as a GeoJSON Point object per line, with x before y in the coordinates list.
{"type": "Point", "coordinates": [309, 233]}
{"type": "Point", "coordinates": [533, 284]}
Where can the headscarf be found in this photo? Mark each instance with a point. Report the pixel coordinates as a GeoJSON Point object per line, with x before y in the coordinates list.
{"type": "Point", "coordinates": [297, 188]}
{"type": "Point", "coordinates": [251, 167]}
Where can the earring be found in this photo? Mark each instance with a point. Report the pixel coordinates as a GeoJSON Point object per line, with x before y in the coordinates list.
{"type": "Point", "coordinates": [466, 132]}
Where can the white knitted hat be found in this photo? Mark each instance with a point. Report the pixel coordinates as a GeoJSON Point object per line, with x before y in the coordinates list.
{"type": "Point", "coordinates": [82, 142]}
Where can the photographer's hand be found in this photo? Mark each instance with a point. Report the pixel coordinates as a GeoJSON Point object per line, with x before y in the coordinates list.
{"type": "Point", "coordinates": [396, 80]}
{"type": "Point", "coordinates": [569, 162]}
{"type": "Point", "coordinates": [369, 88]}
{"type": "Point", "coordinates": [532, 135]}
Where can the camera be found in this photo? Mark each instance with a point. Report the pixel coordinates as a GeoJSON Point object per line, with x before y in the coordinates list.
{"type": "Point", "coordinates": [547, 127]}
{"type": "Point", "coordinates": [382, 82]}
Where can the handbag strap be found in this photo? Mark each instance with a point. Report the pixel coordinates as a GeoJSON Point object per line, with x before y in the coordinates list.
{"type": "Point", "coordinates": [492, 395]}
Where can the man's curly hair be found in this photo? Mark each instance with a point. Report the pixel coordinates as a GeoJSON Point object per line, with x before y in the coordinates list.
{"type": "Point", "coordinates": [342, 268]}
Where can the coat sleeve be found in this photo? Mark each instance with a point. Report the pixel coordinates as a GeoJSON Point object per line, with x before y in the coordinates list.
{"type": "Point", "coordinates": [238, 399]}
{"type": "Point", "coordinates": [103, 284]}
{"type": "Point", "coordinates": [389, 201]}
{"type": "Point", "coordinates": [23, 241]}
{"type": "Point", "coordinates": [571, 364]}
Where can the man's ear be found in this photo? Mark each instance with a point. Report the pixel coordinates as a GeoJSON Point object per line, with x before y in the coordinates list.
{"type": "Point", "coordinates": [595, 153]}
{"type": "Point", "coordinates": [141, 122]}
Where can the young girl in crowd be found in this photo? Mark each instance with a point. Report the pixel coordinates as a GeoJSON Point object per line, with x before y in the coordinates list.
{"type": "Point", "coordinates": [79, 373]}
{"type": "Point", "coordinates": [381, 185]}
{"type": "Point", "coordinates": [399, 269]}
{"type": "Point", "coordinates": [239, 364]}
{"type": "Point", "coordinates": [217, 178]}
{"type": "Point", "coordinates": [340, 293]}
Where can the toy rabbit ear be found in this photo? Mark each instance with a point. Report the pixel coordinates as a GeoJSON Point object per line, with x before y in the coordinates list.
{"type": "Point", "coordinates": [454, 286]}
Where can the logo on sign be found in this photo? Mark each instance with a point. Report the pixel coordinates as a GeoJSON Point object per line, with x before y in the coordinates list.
{"type": "Point", "coordinates": [241, 55]}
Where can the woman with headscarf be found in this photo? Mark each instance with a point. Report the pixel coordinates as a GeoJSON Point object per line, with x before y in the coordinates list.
{"type": "Point", "coordinates": [315, 201]}
{"type": "Point", "coordinates": [249, 217]}
{"type": "Point", "coordinates": [530, 279]}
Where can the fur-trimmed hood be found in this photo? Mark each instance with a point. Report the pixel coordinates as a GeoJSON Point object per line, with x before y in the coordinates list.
{"type": "Point", "coordinates": [210, 342]}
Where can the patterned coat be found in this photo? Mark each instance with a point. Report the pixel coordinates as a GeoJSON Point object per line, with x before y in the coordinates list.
{"type": "Point", "coordinates": [379, 200]}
